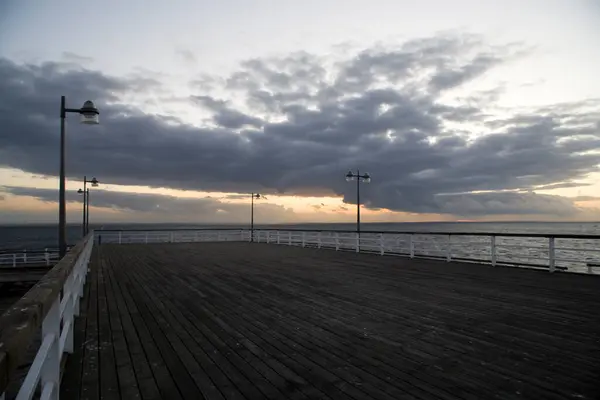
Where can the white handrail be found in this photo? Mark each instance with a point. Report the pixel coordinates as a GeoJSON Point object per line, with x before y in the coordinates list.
{"type": "Point", "coordinates": [57, 332]}
{"type": "Point", "coordinates": [29, 258]}
{"type": "Point", "coordinates": [553, 252]}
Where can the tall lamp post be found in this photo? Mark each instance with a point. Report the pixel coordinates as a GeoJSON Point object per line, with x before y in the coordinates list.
{"type": "Point", "coordinates": [84, 193]}
{"type": "Point", "coordinates": [89, 115]}
{"type": "Point", "coordinates": [366, 178]}
{"type": "Point", "coordinates": [253, 196]}
{"type": "Point", "coordinates": [86, 203]}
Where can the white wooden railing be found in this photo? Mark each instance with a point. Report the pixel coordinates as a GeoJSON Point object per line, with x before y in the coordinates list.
{"type": "Point", "coordinates": [58, 303]}
{"type": "Point", "coordinates": [172, 236]}
{"type": "Point", "coordinates": [27, 257]}
{"type": "Point", "coordinates": [572, 253]}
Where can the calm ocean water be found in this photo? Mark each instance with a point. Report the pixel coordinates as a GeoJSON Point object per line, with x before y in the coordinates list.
{"type": "Point", "coordinates": [45, 236]}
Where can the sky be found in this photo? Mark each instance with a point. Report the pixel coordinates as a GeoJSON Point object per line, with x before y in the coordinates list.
{"type": "Point", "coordinates": [460, 111]}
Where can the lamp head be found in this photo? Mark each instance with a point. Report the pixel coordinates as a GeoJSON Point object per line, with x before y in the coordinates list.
{"type": "Point", "coordinates": [94, 182]}
{"type": "Point", "coordinates": [366, 177]}
{"type": "Point", "coordinates": [349, 176]}
{"type": "Point", "coordinates": [89, 113]}
{"type": "Point", "coordinates": [80, 191]}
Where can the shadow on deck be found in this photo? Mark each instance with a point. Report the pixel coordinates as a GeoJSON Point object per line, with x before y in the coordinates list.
{"type": "Point", "coordinates": [254, 321]}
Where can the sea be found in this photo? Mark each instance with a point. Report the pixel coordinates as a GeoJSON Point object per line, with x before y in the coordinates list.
{"type": "Point", "coordinates": [35, 237]}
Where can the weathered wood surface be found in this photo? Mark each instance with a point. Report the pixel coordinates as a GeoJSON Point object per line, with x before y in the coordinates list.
{"type": "Point", "coordinates": [258, 321]}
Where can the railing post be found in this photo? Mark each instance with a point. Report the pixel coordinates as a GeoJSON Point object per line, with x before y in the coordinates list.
{"type": "Point", "coordinates": [50, 373]}
{"type": "Point", "coordinates": [278, 237]}
{"type": "Point", "coordinates": [551, 254]}
{"type": "Point", "coordinates": [411, 244]}
{"type": "Point", "coordinates": [319, 240]}
{"type": "Point", "coordinates": [14, 259]}
{"type": "Point", "coordinates": [337, 241]}
{"type": "Point", "coordinates": [25, 256]}
{"type": "Point", "coordinates": [146, 238]}
{"type": "Point", "coordinates": [303, 239]}
{"type": "Point", "coordinates": [120, 238]}
{"type": "Point", "coordinates": [47, 257]}
{"type": "Point", "coordinates": [170, 237]}
{"type": "Point", "coordinates": [449, 249]}
{"type": "Point", "coordinates": [68, 320]}
{"type": "Point", "coordinates": [79, 278]}
{"type": "Point", "coordinates": [381, 244]}
{"type": "Point", "coordinates": [357, 242]}
{"type": "Point", "coordinates": [289, 238]}
{"type": "Point", "coordinates": [493, 249]}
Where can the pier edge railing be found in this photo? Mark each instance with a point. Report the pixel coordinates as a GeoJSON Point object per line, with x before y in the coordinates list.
{"type": "Point", "coordinates": [49, 309]}
{"type": "Point", "coordinates": [554, 252]}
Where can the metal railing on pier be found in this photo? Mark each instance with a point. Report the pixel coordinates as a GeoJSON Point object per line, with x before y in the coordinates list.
{"type": "Point", "coordinates": [28, 257]}
{"type": "Point", "coordinates": [572, 253]}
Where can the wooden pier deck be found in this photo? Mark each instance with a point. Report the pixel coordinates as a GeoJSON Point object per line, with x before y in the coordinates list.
{"type": "Point", "coordinates": [259, 321]}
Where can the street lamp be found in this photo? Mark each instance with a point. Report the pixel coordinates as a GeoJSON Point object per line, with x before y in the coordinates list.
{"type": "Point", "coordinates": [89, 116]}
{"type": "Point", "coordinates": [253, 196]}
{"type": "Point", "coordinates": [84, 193]}
{"type": "Point", "coordinates": [86, 202]}
{"type": "Point", "coordinates": [366, 178]}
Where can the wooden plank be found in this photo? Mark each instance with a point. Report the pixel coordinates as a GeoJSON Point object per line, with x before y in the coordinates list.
{"type": "Point", "coordinates": [199, 338]}
{"type": "Point", "coordinates": [109, 381]}
{"type": "Point", "coordinates": [179, 374]}
{"type": "Point", "coordinates": [240, 320]}
{"type": "Point", "coordinates": [161, 373]}
{"type": "Point", "coordinates": [128, 384]}
{"type": "Point", "coordinates": [71, 380]}
{"type": "Point", "coordinates": [146, 383]}
{"type": "Point", "coordinates": [90, 373]}
{"type": "Point", "coordinates": [207, 353]}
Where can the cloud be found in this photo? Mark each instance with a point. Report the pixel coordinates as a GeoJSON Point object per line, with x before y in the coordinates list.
{"type": "Point", "coordinates": [562, 185]}
{"type": "Point", "coordinates": [141, 206]}
{"type": "Point", "coordinates": [224, 116]}
{"type": "Point", "coordinates": [295, 124]}
{"type": "Point", "coordinates": [76, 58]}
{"type": "Point", "coordinates": [187, 57]}
{"type": "Point", "coordinates": [585, 198]}
{"type": "Point", "coordinates": [237, 196]}
{"type": "Point", "coordinates": [505, 203]}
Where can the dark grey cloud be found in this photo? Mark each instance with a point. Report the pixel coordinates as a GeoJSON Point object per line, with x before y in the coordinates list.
{"type": "Point", "coordinates": [136, 206]}
{"type": "Point", "coordinates": [296, 124]}
{"type": "Point", "coordinates": [226, 117]}
{"type": "Point", "coordinates": [479, 204]}
{"type": "Point", "coordinates": [457, 76]}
